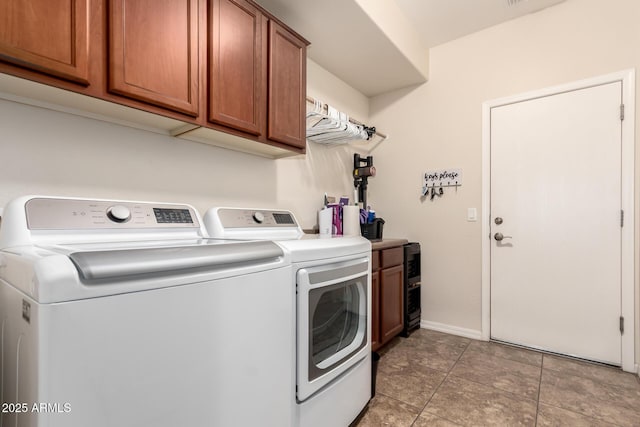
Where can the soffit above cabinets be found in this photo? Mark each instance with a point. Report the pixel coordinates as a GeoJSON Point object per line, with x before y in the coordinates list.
{"type": "Point", "coordinates": [440, 21]}
{"type": "Point", "coordinates": [377, 46]}
{"type": "Point", "coordinates": [374, 50]}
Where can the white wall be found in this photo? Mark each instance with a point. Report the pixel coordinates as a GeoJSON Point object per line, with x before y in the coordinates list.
{"type": "Point", "coordinates": [54, 153]}
{"type": "Point", "coordinates": [303, 180]}
{"type": "Point", "coordinates": [439, 125]}
{"type": "Point", "coordinates": [434, 125]}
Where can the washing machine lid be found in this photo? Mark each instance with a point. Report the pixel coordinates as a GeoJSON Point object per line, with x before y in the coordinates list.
{"type": "Point", "coordinates": [60, 273]}
{"type": "Point", "coordinates": [114, 264]}
{"type": "Point", "coordinates": [282, 227]}
{"type": "Point", "coordinates": [61, 249]}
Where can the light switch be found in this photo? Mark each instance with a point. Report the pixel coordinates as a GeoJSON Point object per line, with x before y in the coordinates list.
{"type": "Point", "coordinates": [472, 214]}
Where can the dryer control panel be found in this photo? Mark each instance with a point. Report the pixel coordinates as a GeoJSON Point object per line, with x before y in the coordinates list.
{"type": "Point", "coordinates": [246, 223]}
{"type": "Point", "coordinates": [255, 218]}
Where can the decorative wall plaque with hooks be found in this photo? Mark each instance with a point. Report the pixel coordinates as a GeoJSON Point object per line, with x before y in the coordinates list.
{"type": "Point", "coordinates": [443, 178]}
{"type": "Point", "coordinates": [434, 181]}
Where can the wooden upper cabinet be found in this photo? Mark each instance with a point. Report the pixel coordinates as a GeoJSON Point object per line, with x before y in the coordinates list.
{"type": "Point", "coordinates": [257, 73]}
{"type": "Point", "coordinates": [49, 36]}
{"type": "Point", "coordinates": [287, 87]}
{"type": "Point", "coordinates": [225, 65]}
{"type": "Point", "coordinates": [153, 52]}
{"type": "Point", "coordinates": [237, 67]}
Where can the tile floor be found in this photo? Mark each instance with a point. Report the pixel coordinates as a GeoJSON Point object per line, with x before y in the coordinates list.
{"type": "Point", "coordinates": [435, 379]}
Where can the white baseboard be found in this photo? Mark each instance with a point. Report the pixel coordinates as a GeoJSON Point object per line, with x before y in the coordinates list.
{"type": "Point", "coordinates": [453, 330]}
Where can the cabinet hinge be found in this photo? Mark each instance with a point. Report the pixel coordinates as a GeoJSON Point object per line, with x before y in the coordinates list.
{"type": "Point", "coordinates": [621, 111]}
{"type": "Point", "coordinates": [621, 218]}
{"type": "Point", "coordinates": [621, 325]}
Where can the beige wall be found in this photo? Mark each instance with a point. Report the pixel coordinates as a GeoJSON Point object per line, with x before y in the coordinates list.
{"type": "Point", "coordinates": [439, 125]}
{"type": "Point", "coordinates": [54, 153]}
{"type": "Point", "coordinates": [303, 180]}
{"type": "Point", "coordinates": [431, 126]}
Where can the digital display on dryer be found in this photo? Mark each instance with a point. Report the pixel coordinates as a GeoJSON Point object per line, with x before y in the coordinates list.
{"type": "Point", "coordinates": [173, 216]}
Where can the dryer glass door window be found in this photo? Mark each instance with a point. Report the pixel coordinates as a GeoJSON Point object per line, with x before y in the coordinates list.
{"type": "Point", "coordinates": [335, 318]}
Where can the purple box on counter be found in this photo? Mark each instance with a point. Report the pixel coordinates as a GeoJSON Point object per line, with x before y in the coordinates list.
{"type": "Point", "coordinates": [337, 218]}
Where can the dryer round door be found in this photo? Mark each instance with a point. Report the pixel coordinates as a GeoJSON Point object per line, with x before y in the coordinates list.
{"type": "Point", "coordinates": [333, 312]}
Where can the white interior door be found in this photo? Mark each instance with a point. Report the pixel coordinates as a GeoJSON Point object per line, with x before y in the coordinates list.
{"type": "Point", "coordinates": [556, 185]}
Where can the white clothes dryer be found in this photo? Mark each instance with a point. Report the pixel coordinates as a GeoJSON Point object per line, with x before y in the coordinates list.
{"type": "Point", "coordinates": [117, 313]}
{"type": "Point", "coordinates": [332, 281]}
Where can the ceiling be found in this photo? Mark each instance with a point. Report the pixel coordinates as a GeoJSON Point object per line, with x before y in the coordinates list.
{"type": "Point", "coordinates": [440, 21]}
{"type": "Point", "coordinates": [377, 46]}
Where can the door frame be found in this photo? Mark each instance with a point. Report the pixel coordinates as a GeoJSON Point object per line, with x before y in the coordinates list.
{"type": "Point", "coordinates": [628, 300]}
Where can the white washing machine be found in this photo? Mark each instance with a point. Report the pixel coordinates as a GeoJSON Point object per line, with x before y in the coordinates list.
{"type": "Point", "coordinates": [332, 278]}
{"type": "Point", "coordinates": [126, 314]}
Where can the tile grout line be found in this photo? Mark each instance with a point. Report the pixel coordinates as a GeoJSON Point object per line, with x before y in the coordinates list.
{"type": "Point", "coordinates": [498, 356]}
{"type": "Point", "coordinates": [507, 359]}
{"type": "Point", "coordinates": [440, 385]}
{"type": "Point", "coordinates": [507, 393]}
{"type": "Point", "coordinates": [449, 373]}
{"type": "Point", "coordinates": [558, 406]}
{"type": "Point", "coordinates": [539, 390]}
{"type": "Point", "coordinates": [583, 377]}
{"type": "Point", "coordinates": [417, 407]}
{"type": "Point", "coordinates": [511, 394]}
{"type": "Point", "coordinates": [398, 400]}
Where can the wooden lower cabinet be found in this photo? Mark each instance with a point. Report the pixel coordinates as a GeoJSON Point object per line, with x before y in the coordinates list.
{"type": "Point", "coordinates": [391, 299]}
{"type": "Point", "coordinates": [387, 299]}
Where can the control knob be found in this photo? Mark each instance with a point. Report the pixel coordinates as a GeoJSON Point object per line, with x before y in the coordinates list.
{"type": "Point", "coordinates": [119, 213]}
{"type": "Point", "coordinates": [258, 217]}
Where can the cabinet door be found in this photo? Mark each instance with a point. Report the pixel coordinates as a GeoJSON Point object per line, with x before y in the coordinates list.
{"type": "Point", "coordinates": [287, 87]}
{"type": "Point", "coordinates": [50, 36]}
{"type": "Point", "coordinates": [391, 299]}
{"type": "Point", "coordinates": [153, 52]}
{"type": "Point", "coordinates": [237, 68]}
{"type": "Point", "coordinates": [375, 310]}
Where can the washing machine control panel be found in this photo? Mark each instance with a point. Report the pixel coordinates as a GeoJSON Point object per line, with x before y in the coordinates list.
{"type": "Point", "coordinates": [71, 214]}
{"type": "Point", "coordinates": [258, 217]}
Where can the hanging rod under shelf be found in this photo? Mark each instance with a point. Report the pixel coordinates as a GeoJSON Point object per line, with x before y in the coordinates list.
{"type": "Point", "coordinates": [313, 101]}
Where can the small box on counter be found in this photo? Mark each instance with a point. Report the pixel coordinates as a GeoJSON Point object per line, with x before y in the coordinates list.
{"type": "Point", "coordinates": [373, 230]}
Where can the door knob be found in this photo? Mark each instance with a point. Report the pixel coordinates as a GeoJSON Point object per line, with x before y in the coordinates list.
{"type": "Point", "coordinates": [498, 221]}
{"type": "Point", "coordinates": [499, 237]}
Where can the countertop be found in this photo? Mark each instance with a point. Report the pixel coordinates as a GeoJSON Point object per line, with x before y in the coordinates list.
{"type": "Point", "coordinates": [387, 243]}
